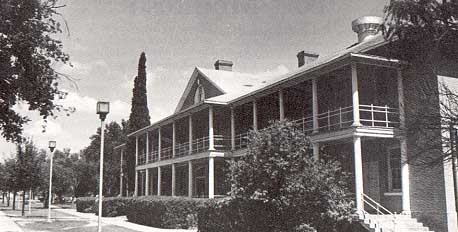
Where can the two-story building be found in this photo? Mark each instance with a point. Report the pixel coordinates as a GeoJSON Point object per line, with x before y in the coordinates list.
{"type": "Point", "coordinates": [353, 104]}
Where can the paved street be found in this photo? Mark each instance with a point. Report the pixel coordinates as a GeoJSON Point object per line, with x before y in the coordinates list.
{"type": "Point", "coordinates": [65, 219]}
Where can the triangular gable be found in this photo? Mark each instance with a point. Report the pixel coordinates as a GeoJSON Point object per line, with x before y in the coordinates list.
{"type": "Point", "coordinates": [210, 88]}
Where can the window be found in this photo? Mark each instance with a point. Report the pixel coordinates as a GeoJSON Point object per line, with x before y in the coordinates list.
{"type": "Point", "coordinates": [394, 169]}
{"type": "Point", "coordinates": [199, 96]}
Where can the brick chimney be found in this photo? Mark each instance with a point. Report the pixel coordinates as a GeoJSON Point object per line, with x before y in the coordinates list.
{"type": "Point", "coordinates": [367, 27]}
{"type": "Point", "coordinates": [304, 57]}
{"type": "Point", "coordinates": [225, 65]}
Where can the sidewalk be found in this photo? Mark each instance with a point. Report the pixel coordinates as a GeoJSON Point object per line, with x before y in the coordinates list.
{"type": "Point", "coordinates": [120, 221]}
{"type": "Point", "coordinates": [7, 224]}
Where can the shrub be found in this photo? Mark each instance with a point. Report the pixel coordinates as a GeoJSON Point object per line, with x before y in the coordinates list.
{"type": "Point", "coordinates": [278, 186]}
{"type": "Point", "coordinates": [113, 206]}
{"type": "Point", "coordinates": [85, 204]}
{"type": "Point", "coordinates": [165, 212]}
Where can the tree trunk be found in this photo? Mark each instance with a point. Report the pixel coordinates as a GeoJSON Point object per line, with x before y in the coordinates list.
{"type": "Point", "coordinates": [23, 203]}
{"type": "Point", "coordinates": [14, 200]}
{"type": "Point", "coordinates": [8, 199]}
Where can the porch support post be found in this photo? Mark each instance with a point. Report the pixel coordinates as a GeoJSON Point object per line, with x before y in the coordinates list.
{"type": "Point", "coordinates": [159, 181]}
{"type": "Point", "coordinates": [190, 178]}
{"type": "Point", "coordinates": [211, 177]}
{"type": "Point", "coordinates": [281, 102]}
{"type": "Point", "coordinates": [174, 139]}
{"type": "Point", "coordinates": [190, 134]}
{"type": "Point", "coordinates": [173, 180]}
{"type": "Point", "coordinates": [147, 147]}
{"type": "Point", "coordinates": [355, 95]}
{"type": "Point", "coordinates": [316, 150]}
{"type": "Point", "coordinates": [315, 105]}
{"type": "Point", "coordinates": [402, 117]}
{"type": "Point", "coordinates": [159, 143]}
{"type": "Point", "coordinates": [405, 178]}
{"type": "Point", "coordinates": [136, 151]}
{"type": "Point", "coordinates": [147, 192]}
{"type": "Point", "coordinates": [255, 116]}
{"type": "Point", "coordinates": [136, 183]}
{"type": "Point", "coordinates": [358, 173]}
{"type": "Point", "coordinates": [211, 136]}
{"type": "Point", "coordinates": [232, 129]}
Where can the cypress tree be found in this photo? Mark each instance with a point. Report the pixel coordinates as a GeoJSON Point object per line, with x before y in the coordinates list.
{"type": "Point", "coordinates": [139, 117]}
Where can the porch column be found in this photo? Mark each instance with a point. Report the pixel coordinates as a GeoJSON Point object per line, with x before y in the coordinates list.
{"type": "Point", "coordinates": [402, 118]}
{"type": "Point", "coordinates": [315, 105]}
{"type": "Point", "coordinates": [147, 192]}
{"type": "Point", "coordinates": [190, 179]}
{"type": "Point", "coordinates": [358, 173]}
{"type": "Point", "coordinates": [136, 183]}
{"type": "Point", "coordinates": [211, 141]}
{"type": "Point", "coordinates": [232, 129]}
{"type": "Point", "coordinates": [173, 138]}
{"type": "Point", "coordinates": [173, 180]}
{"type": "Point", "coordinates": [158, 181]}
{"type": "Point", "coordinates": [159, 143]}
{"type": "Point", "coordinates": [211, 177]}
{"type": "Point", "coordinates": [316, 150]}
{"type": "Point", "coordinates": [281, 102]}
{"type": "Point", "coordinates": [147, 147]}
{"type": "Point", "coordinates": [355, 95]}
{"type": "Point", "coordinates": [255, 116]}
{"type": "Point", "coordinates": [136, 151]}
{"type": "Point", "coordinates": [190, 134]}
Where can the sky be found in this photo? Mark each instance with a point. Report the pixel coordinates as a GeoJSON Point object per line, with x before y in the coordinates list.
{"type": "Point", "coordinates": [104, 39]}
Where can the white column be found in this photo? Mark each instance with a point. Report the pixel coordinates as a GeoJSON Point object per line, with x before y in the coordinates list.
{"type": "Point", "coordinates": [355, 95]}
{"type": "Point", "coordinates": [174, 138]}
{"type": "Point", "coordinates": [173, 180]}
{"type": "Point", "coordinates": [402, 117]}
{"type": "Point", "coordinates": [147, 192]}
{"type": "Point", "coordinates": [158, 181]}
{"type": "Point", "coordinates": [136, 151]}
{"type": "Point", "coordinates": [190, 134]}
{"type": "Point", "coordinates": [211, 139]}
{"type": "Point", "coordinates": [255, 115]}
{"type": "Point", "coordinates": [281, 102]}
{"type": "Point", "coordinates": [452, 220]}
{"type": "Point", "coordinates": [211, 177]}
{"type": "Point", "coordinates": [315, 106]}
{"type": "Point", "coordinates": [136, 183]}
{"type": "Point", "coordinates": [316, 150]}
{"type": "Point", "coordinates": [405, 178]}
{"type": "Point", "coordinates": [159, 143]}
{"type": "Point", "coordinates": [190, 179]}
{"type": "Point", "coordinates": [232, 129]}
{"type": "Point", "coordinates": [358, 173]}
{"type": "Point", "coordinates": [147, 147]}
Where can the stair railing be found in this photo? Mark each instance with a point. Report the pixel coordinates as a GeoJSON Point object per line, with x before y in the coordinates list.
{"type": "Point", "coordinates": [379, 209]}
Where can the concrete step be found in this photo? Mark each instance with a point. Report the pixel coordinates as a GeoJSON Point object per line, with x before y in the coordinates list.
{"type": "Point", "coordinates": [384, 223]}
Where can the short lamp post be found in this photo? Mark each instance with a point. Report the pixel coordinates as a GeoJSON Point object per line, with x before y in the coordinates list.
{"type": "Point", "coordinates": [52, 146]}
{"type": "Point", "coordinates": [103, 108]}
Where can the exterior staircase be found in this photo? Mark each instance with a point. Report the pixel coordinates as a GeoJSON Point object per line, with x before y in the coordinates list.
{"type": "Point", "coordinates": [386, 221]}
{"type": "Point", "coordinates": [392, 223]}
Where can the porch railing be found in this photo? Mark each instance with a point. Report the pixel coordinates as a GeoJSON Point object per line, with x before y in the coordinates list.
{"type": "Point", "coordinates": [222, 142]}
{"type": "Point", "coordinates": [379, 116]}
{"type": "Point", "coordinates": [182, 149]}
{"type": "Point", "coordinates": [153, 156]}
{"type": "Point", "coordinates": [141, 159]}
{"type": "Point", "coordinates": [241, 141]}
{"type": "Point", "coordinates": [200, 145]}
{"type": "Point", "coordinates": [166, 153]}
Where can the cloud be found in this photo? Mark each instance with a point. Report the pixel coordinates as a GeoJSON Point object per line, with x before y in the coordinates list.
{"type": "Point", "coordinates": [278, 71]}
{"type": "Point", "coordinates": [44, 129]}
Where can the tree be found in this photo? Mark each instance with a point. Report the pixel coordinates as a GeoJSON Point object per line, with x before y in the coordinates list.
{"type": "Point", "coordinates": [28, 52]}
{"type": "Point", "coordinates": [139, 117]}
{"type": "Point", "coordinates": [279, 170]}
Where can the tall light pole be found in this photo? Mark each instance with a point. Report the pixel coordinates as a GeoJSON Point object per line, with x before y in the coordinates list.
{"type": "Point", "coordinates": [52, 145]}
{"type": "Point", "coordinates": [103, 108]}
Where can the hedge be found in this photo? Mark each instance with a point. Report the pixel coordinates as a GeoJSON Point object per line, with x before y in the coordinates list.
{"type": "Point", "coordinates": [85, 204]}
{"type": "Point", "coordinates": [165, 212]}
{"type": "Point", "coordinates": [113, 206]}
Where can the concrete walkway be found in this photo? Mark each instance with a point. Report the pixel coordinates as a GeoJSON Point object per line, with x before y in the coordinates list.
{"type": "Point", "coordinates": [120, 221]}
{"type": "Point", "coordinates": [7, 224]}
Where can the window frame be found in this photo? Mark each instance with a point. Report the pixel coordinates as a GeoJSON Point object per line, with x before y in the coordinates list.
{"type": "Point", "coordinates": [390, 171]}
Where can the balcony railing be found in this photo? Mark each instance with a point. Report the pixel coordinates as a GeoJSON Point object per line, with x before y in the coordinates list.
{"type": "Point", "coordinates": [241, 141]}
{"type": "Point", "coordinates": [379, 116]}
{"type": "Point", "coordinates": [200, 145]}
{"type": "Point", "coordinates": [166, 153]}
{"type": "Point", "coordinates": [181, 149]}
{"type": "Point", "coordinates": [222, 142]}
{"type": "Point", "coordinates": [141, 159]}
{"type": "Point", "coordinates": [153, 156]}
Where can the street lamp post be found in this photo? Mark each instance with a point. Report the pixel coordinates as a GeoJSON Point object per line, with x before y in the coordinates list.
{"type": "Point", "coordinates": [52, 145]}
{"type": "Point", "coordinates": [103, 108]}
